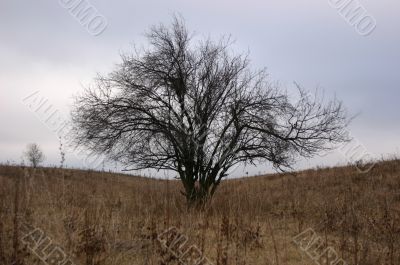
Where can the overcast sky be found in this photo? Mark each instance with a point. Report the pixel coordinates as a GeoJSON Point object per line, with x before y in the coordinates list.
{"type": "Point", "coordinates": [45, 49]}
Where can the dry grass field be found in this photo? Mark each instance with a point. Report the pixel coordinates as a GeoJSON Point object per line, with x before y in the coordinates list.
{"type": "Point", "coordinates": [65, 216]}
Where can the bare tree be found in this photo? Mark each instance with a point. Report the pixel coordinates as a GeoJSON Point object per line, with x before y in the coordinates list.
{"type": "Point", "coordinates": [62, 152]}
{"type": "Point", "coordinates": [196, 108]}
{"type": "Point", "coordinates": [34, 154]}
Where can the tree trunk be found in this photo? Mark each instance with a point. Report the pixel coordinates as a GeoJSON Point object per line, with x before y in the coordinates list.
{"type": "Point", "coordinates": [197, 195]}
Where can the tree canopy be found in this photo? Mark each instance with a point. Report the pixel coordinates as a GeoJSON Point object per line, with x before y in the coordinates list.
{"type": "Point", "coordinates": [197, 108]}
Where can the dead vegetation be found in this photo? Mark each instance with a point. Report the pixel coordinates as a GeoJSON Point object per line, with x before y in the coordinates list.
{"type": "Point", "coordinates": [99, 218]}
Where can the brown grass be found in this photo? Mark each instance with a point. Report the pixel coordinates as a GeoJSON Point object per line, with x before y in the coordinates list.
{"type": "Point", "coordinates": [104, 218]}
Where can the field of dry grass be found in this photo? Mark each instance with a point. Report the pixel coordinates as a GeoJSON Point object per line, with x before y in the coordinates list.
{"type": "Point", "coordinates": [65, 216]}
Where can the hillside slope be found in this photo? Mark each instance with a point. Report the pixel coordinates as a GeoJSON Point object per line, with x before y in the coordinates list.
{"type": "Point", "coordinates": [328, 216]}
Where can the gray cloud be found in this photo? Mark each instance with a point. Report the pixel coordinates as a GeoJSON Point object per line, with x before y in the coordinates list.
{"type": "Point", "coordinates": [44, 48]}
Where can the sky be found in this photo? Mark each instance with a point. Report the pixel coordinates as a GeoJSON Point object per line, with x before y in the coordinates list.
{"type": "Point", "coordinates": [47, 53]}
